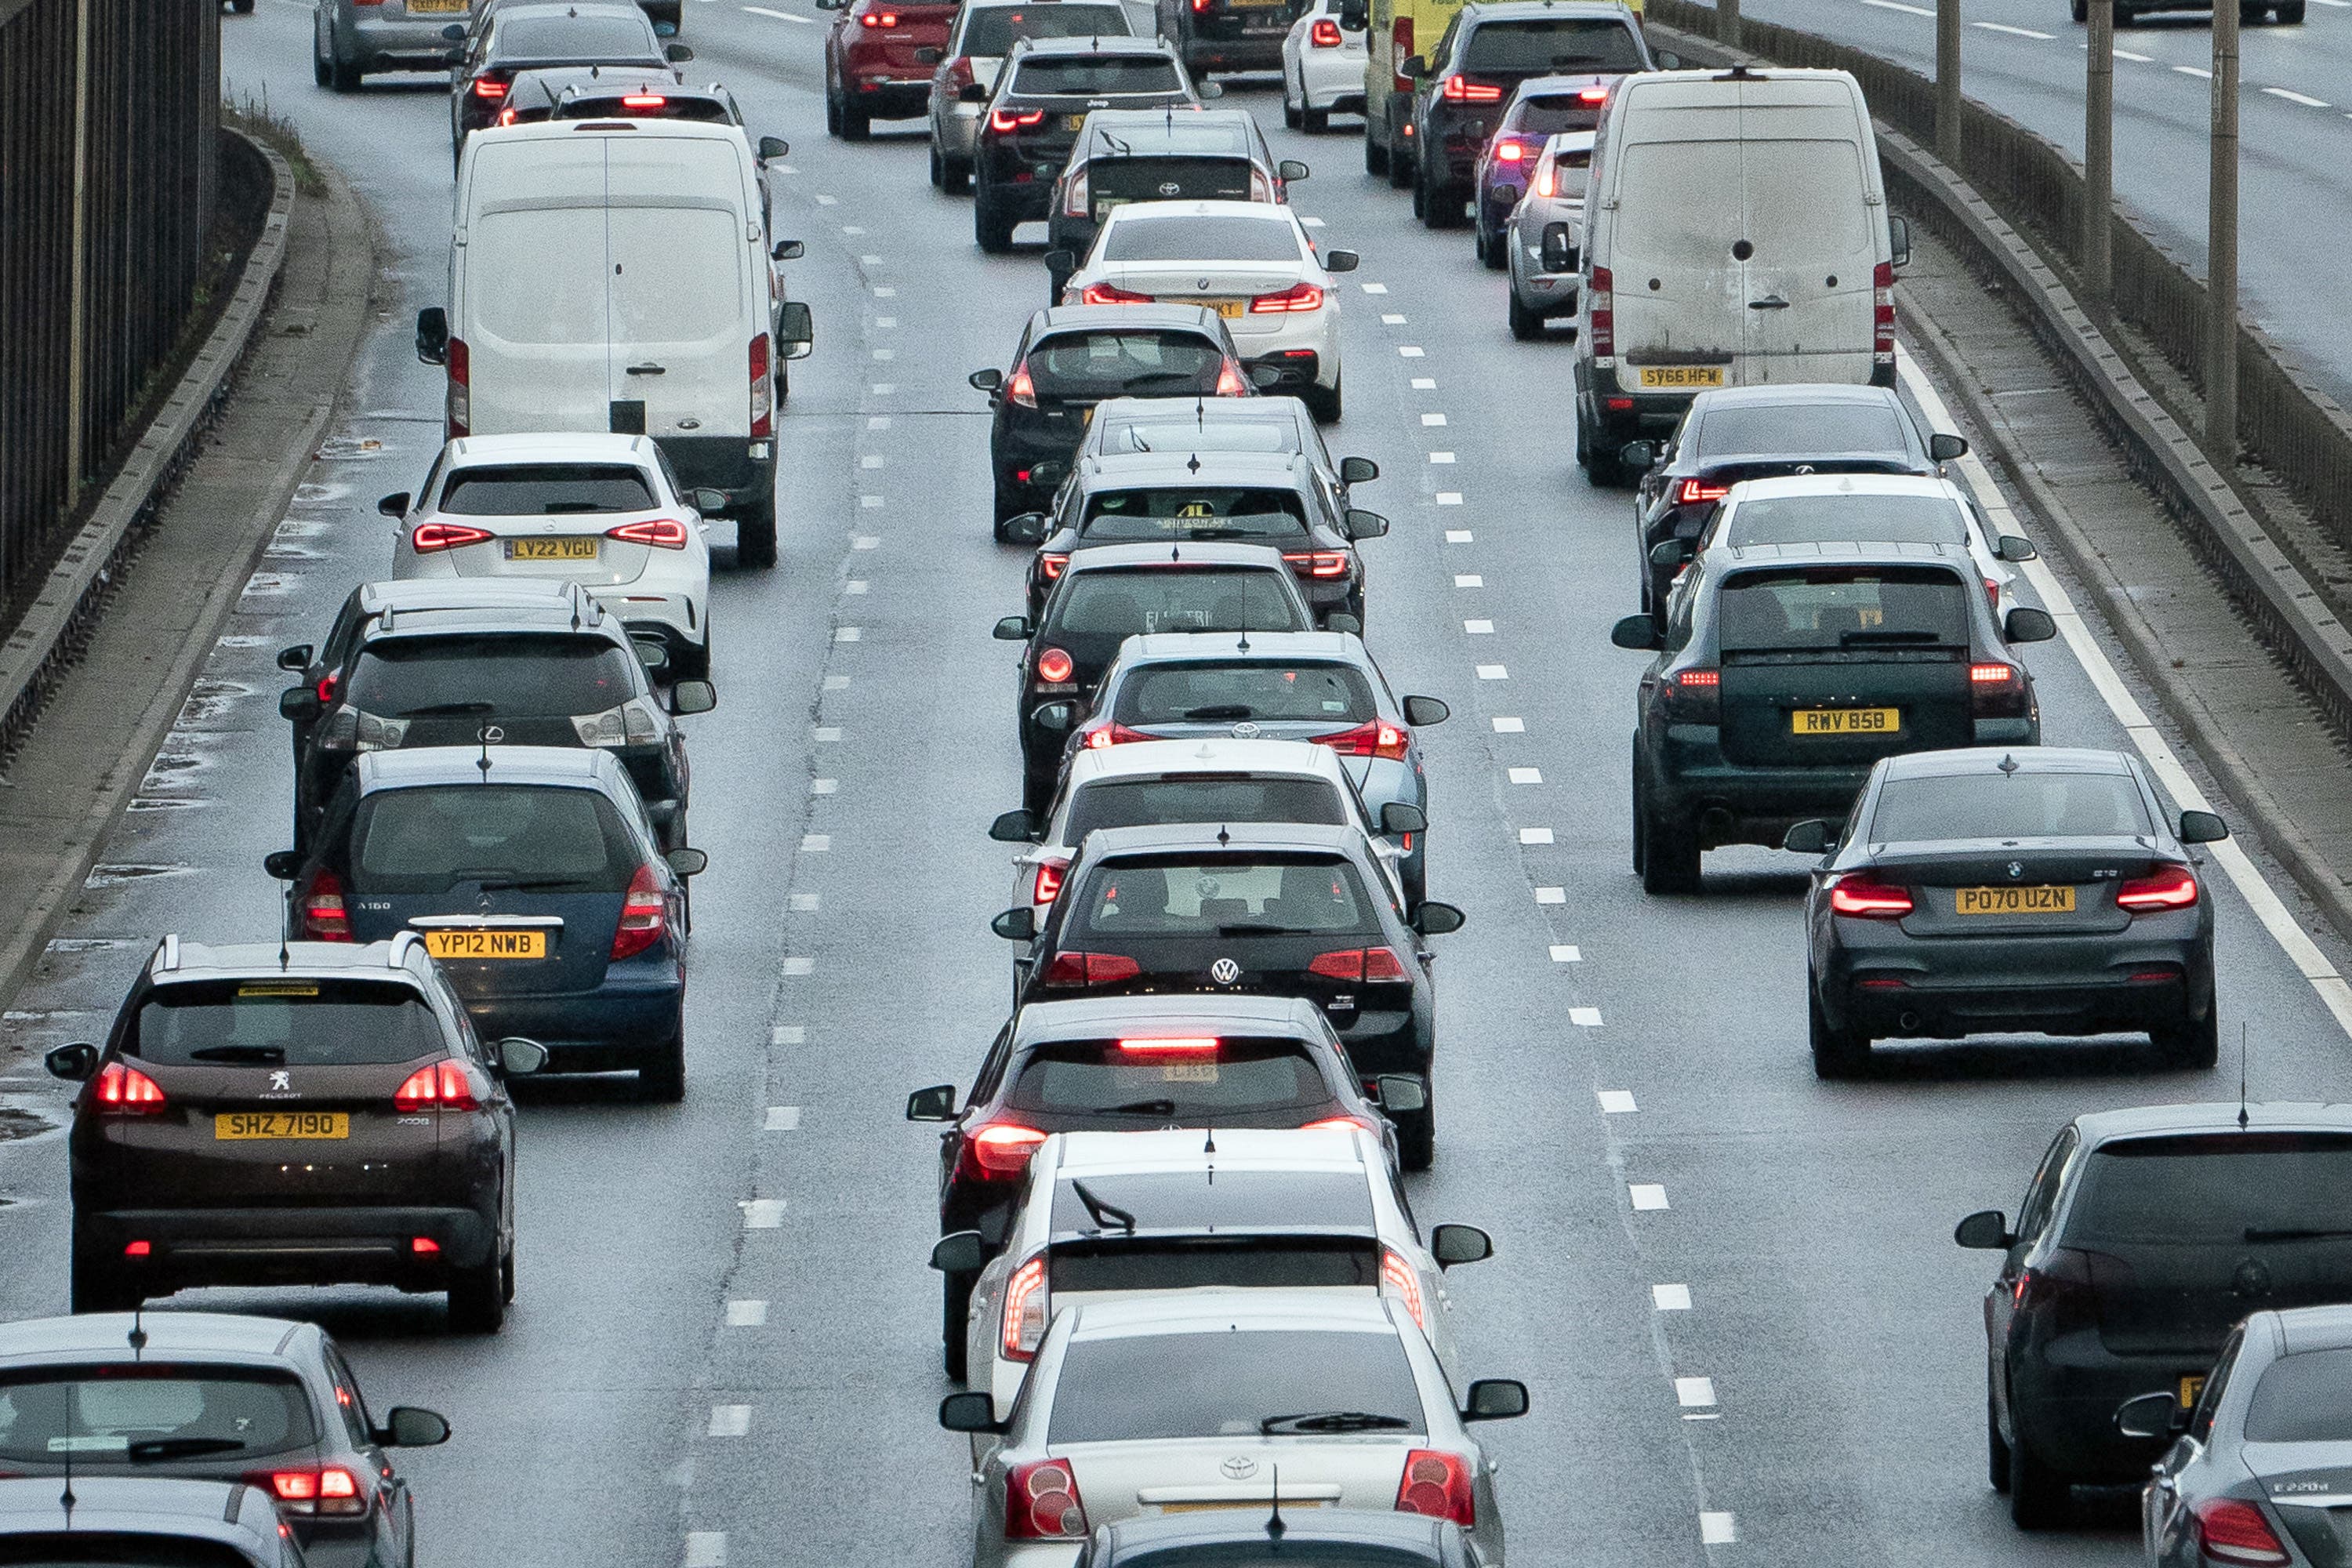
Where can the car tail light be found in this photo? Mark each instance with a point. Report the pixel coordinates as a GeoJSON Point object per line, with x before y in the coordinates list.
{"type": "Point", "coordinates": [430, 538]}
{"type": "Point", "coordinates": [1992, 599]}
{"type": "Point", "coordinates": [1318, 563]}
{"type": "Point", "coordinates": [1260, 191]}
{"type": "Point", "coordinates": [1027, 1310]}
{"type": "Point", "coordinates": [457, 406]}
{"type": "Point", "coordinates": [1111, 294]}
{"type": "Point", "coordinates": [1105, 733]}
{"type": "Point", "coordinates": [1601, 305]}
{"type": "Point", "coordinates": [1882, 314]}
{"type": "Point", "coordinates": [1048, 885]}
{"type": "Point", "coordinates": [324, 919]}
{"type": "Point", "coordinates": [959, 73]}
{"type": "Point", "coordinates": [2231, 1531]}
{"type": "Point", "coordinates": [661, 532]}
{"type": "Point", "coordinates": [1996, 690]}
{"type": "Point", "coordinates": [1000, 1150]}
{"type": "Point", "coordinates": [1372, 738]}
{"type": "Point", "coordinates": [1340, 1124]}
{"type": "Point", "coordinates": [1363, 965]}
{"type": "Point", "coordinates": [1436, 1484]}
{"type": "Point", "coordinates": [1051, 566]}
{"type": "Point", "coordinates": [330, 1491]}
{"type": "Point", "coordinates": [1692, 493]}
{"type": "Point", "coordinates": [1400, 46]}
{"type": "Point", "coordinates": [1695, 696]}
{"type": "Point", "coordinates": [1148, 1047]}
{"type": "Point", "coordinates": [1040, 1497]}
{"type": "Point", "coordinates": [1510, 152]}
{"type": "Point", "coordinates": [1056, 667]}
{"type": "Point", "coordinates": [1401, 1281]}
{"type": "Point", "coordinates": [644, 101]}
{"type": "Point", "coordinates": [1461, 89]}
{"type": "Point", "coordinates": [878, 19]}
{"type": "Point", "coordinates": [489, 89]}
{"type": "Point", "coordinates": [1006, 121]}
{"type": "Point", "coordinates": [1230, 382]}
{"type": "Point", "coordinates": [1547, 181]}
{"type": "Point", "coordinates": [137, 1249]}
{"type": "Point", "coordinates": [1021, 389]}
{"type": "Point", "coordinates": [1089, 969]}
{"type": "Point", "coordinates": [325, 690]}
{"type": "Point", "coordinates": [1297, 297]}
{"type": "Point", "coordinates": [1862, 899]}
{"type": "Point", "coordinates": [1199, 6]}
{"type": "Point", "coordinates": [630, 725]}
{"type": "Point", "coordinates": [645, 916]}
{"type": "Point", "coordinates": [1324, 34]}
{"type": "Point", "coordinates": [2172, 887]}
{"type": "Point", "coordinates": [126, 1091]}
{"type": "Point", "coordinates": [763, 391]}
{"type": "Point", "coordinates": [1592, 95]}
{"type": "Point", "coordinates": [423, 1247]}
{"type": "Point", "coordinates": [443, 1086]}
{"type": "Point", "coordinates": [1073, 198]}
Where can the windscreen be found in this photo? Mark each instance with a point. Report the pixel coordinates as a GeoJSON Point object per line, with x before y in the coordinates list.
{"type": "Point", "coordinates": [514, 674]}
{"type": "Point", "coordinates": [1554, 113]}
{"type": "Point", "coordinates": [1192, 1083]}
{"type": "Point", "coordinates": [149, 1413]}
{"type": "Point", "coordinates": [575, 38]}
{"type": "Point", "coordinates": [518, 836]}
{"type": "Point", "coordinates": [1125, 364]}
{"type": "Point", "coordinates": [2303, 1398]}
{"type": "Point", "coordinates": [1818, 519]}
{"type": "Point", "coordinates": [1230, 1263]}
{"type": "Point", "coordinates": [992, 31]}
{"type": "Point", "coordinates": [1114, 1389]}
{"type": "Point", "coordinates": [1205, 436]}
{"type": "Point", "coordinates": [1193, 512]}
{"type": "Point", "coordinates": [1125, 602]}
{"type": "Point", "coordinates": [1552, 44]}
{"type": "Point", "coordinates": [1147, 802]}
{"type": "Point", "coordinates": [2010, 805]}
{"type": "Point", "coordinates": [1797, 431]}
{"type": "Point", "coordinates": [1096, 75]}
{"type": "Point", "coordinates": [537, 276]}
{"type": "Point", "coordinates": [2223, 1189]}
{"type": "Point", "coordinates": [1334, 694]}
{"type": "Point", "coordinates": [1843, 607]}
{"type": "Point", "coordinates": [1223, 1199]}
{"type": "Point", "coordinates": [1221, 896]}
{"type": "Point", "coordinates": [546, 490]}
{"type": "Point", "coordinates": [283, 1021]}
{"type": "Point", "coordinates": [1193, 236]}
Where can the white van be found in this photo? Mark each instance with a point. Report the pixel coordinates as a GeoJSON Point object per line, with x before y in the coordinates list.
{"type": "Point", "coordinates": [617, 274]}
{"type": "Point", "coordinates": [1735, 234]}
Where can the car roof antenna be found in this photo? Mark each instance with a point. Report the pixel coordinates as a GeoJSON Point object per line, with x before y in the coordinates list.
{"type": "Point", "coordinates": [1274, 1525]}
{"type": "Point", "coordinates": [1209, 1147]}
{"type": "Point", "coordinates": [2242, 1075]}
{"type": "Point", "coordinates": [483, 762]}
{"type": "Point", "coordinates": [1192, 464]}
{"type": "Point", "coordinates": [283, 958]}
{"type": "Point", "coordinates": [2008, 764]}
{"type": "Point", "coordinates": [138, 1335]}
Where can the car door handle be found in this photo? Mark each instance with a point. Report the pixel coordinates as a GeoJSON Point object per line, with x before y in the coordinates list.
{"type": "Point", "coordinates": [649, 370]}
{"type": "Point", "coordinates": [1770, 302]}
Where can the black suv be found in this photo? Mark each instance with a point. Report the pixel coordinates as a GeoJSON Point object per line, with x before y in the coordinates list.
{"type": "Point", "coordinates": [549, 669]}
{"type": "Point", "coordinates": [1461, 85]}
{"type": "Point", "coordinates": [516, 38]}
{"type": "Point", "coordinates": [1043, 96]}
{"type": "Point", "coordinates": [1228, 35]}
{"type": "Point", "coordinates": [1786, 672]}
{"type": "Point", "coordinates": [1131, 155]}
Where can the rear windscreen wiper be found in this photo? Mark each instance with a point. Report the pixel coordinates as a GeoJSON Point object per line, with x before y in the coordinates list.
{"type": "Point", "coordinates": [431, 709]}
{"type": "Point", "coordinates": [1334, 1421]}
{"type": "Point", "coordinates": [1847, 639]}
{"type": "Point", "coordinates": [564, 508]}
{"type": "Point", "coordinates": [2255, 1233]}
{"type": "Point", "coordinates": [1216, 711]}
{"type": "Point", "coordinates": [1142, 1107]}
{"type": "Point", "coordinates": [238, 1053]}
{"type": "Point", "coordinates": [1245, 929]}
{"type": "Point", "coordinates": [1106, 1215]}
{"type": "Point", "coordinates": [151, 1449]}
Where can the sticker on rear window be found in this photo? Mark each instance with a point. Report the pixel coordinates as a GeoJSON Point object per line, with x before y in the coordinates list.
{"type": "Point", "coordinates": [277, 988]}
{"type": "Point", "coordinates": [1189, 1072]}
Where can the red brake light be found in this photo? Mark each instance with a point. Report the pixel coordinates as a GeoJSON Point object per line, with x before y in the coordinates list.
{"type": "Point", "coordinates": [1990, 674]}
{"type": "Point", "coordinates": [138, 1249]}
{"type": "Point", "coordinates": [661, 532]}
{"type": "Point", "coordinates": [1702, 678]}
{"type": "Point", "coordinates": [1318, 563]}
{"type": "Point", "coordinates": [1601, 303]}
{"type": "Point", "coordinates": [1400, 1280]}
{"type": "Point", "coordinates": [431, 537]}
{"type": "Point", "coordinates": [2173, 887]}
{"type": "Point", "coordinates": [1996, 689]}
{"type": "Point", "coordinates": [1048, 885]}
{"type": "Point", "coordinates": [1100, 736]}
{"type": "Point", "coordinates": [1364, 965]}
{"type": "Point", "coordinates": [330, 1491]}
{"type": "Point", "coordinates": [1694, 696]}
{"type": "Point", "coordinates": [457, 400]}
{"type": "Point", "coordinates": [1882, 313]}
{"type": "Point", "coordinates": [1111, 294]}
{"type": "Point", "coordinates": [1231, 383]}
{"type": "Point", "coordinates": [1436, 1484]}
{"type": "Point", "coordinates": [1003, 120]}
{"type": "Point", "coordinates": [1993, 594]}
{"type": "Point", "coordinates": [325, 690]}
{"type": "Point", "coordinates": [2230, 1530]}
{"type": "Point", "coordinates": [489, 87]}
{"type": "Point", "coordinates": [1040, 1497]}
{"type": "Point", "coordinates": [1510, 152]}
{"type": "Point", "coordinates": [126, 1091]}
{"type": "Point", "coordinates": [324, 919]}
{"type": "Point", "coordinates": [1865, 899]}
{"type": "Point", "coordinates": [645, 916]}
{"type": "Point", "coordinates": [1054, 666]}
{"type": "Point", "coordinates": [1027, 1310]}
{"type": "Point", "coordinates": [1297, 297]}
{"type": "Point", "coordinates": [1172, 1046]}
{"type": "Point", "coordinates": [1022, 390]}
{"type": "Point", "coordinates": [643, 101]}
{"type": "Point", "coordinates": [1003, 1148]}
{"type": "Point", "coordinates": [1591, 94]}
{"type": "Point", "coordinates": [1694, 491]}
{"type": "Point", "coordinates": [1372, 738]}
{"type": "Point", "coordinates": [763, 391]}
{"type": "Point", "coordinates": [1324, 34]}
{"type": "Point", "coordinates": [422, 1247]}
{"type": "Point", "coordinates": [1461, 89]}
{"type": "Point", "coordinates": [1090, 969]}
{"type": "Point", "coordinates": [1051, 565]}
{"type": "Point", "coordinates": [1400, 46]}
{"type": "Point", "coordinates": [443, 1086]}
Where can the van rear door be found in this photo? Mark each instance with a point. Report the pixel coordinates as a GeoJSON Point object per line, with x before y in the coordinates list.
{"type": "Point", "coordinates": [529, 293]}
{"type": "Point", "coordinates": [1806, 284]}
{"type": "Point", "coordinates": [679, 238]}
{"type": "Point", "coordinates": [1680, 299]}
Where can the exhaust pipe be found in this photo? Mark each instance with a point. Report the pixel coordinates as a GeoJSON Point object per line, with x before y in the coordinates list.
{"type": "Point", "coordinates": [1908, 1021]}
{"type": "Point", "coordinates": [1714, 823]}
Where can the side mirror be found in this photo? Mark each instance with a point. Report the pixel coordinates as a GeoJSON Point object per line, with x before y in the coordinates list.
{"type": "Point", "coordinates": [433, 336]}
{"type": "Point", "coordinates": [707, 500]}
{"type": "Point", "coordinates": [296, 658]}
{"type": "Point", "coordinates": [1401, 817]}
{"type": "Point", "coordinates": [1944, 448]}
{"type": "Point", "coordinates": [2151, 1415]}
{"type": "Point", "coordinates": [678, 54]}
{"type": "Point", "coordinates": [1495, 1399]}
{"type": "Point", "coordinates": [693, 697]}
{"type": "Point", "coordinates": [1453, 1244]}
{"type": "Point", "coordinates": [1415, 66]}
{"type": "Point", "coordinates": [2011, 547]}
{"type": "Point", "coordinates": [72, 1063]}
{"type": "Point", "coordinates": [453, 56]}
{"type": "Point", "coordinates": [1399, 1095]}
{"type": "Point", "coordinates": [961, 1253]}
{"type": "Point", "coordinates": [1669, 61]}
{"type": "Point", "coordinates": [2202, 828]}
{"type": "Point", "coordinates": [1422, 712]}
{"type": "Point", "coordinates": [1340, 621]}
{"type": "Point", "coordinates": [2026, 624]}
{"type": "Point", "coordinates": [651, 654]}
{"type": "Point", "coordinates": [1013, 628]}
{"type": "Point", "coordinates": [1291, 168]}
{"type": "Point", "coordinates": [1264, 377]}
{"type": "Point", "coordinates": [405, 1426]}
{"type": "Point", "coordinates": [1362, 524]}
{"type": "Point", "coordinates": [1061, 264]}
{"type": "Point", "coordinates": [1026, 528]}
{"type": "Point", "coordinates": [393, 506]}
{"type": "Point", "coordinates": [1987, 1230]}
{"type": "Point", "coordinates": [687, 862]}
{"type": "Point", "coordinates": [1898, 241]}
{"type": "Point", "coordinates": [1637, 633]}
{"type": "Point", "coordinates": [1341, 261]}
{"type": "Point", "coordinates": [1017, 924]}
{"type": "Point", "coordinates": [1639, 455]}
{"type": "Point", "coordinates": [971, 1412]}
{"type": "Point", "coordinates": [1673, 552]}
{"type": "Point", "coordinates": [1808, 838]}
{"type": "Point", "coordinates": [927, 56]}
{"type": "Point", "coordinates": [298, 703]}
{"type": "Point", "coordinates": [455, 33]}
{"type": "Point", "coordinates": [796, 329]}
{"type": "Point", "coordinates": [936, 1103]}
{"type": "Point", "coordinates": [788, 250]}
{"type": "Point", "coordinates": [1209, 90]}
{"type": "Point", "coordinates": [972, 92]}
{"type": "Point", "coordinates": [1434, 919]}
{"type": "Point", "coordinates": [666, 30]}
{"type": "Point", "coordinates": [1559, 250]}
{"type": "Point", "coordinates": [774, 147]}
{"type": "Point", "coordinates": [1016, 826]}
{"type": "Point", "coordinates": [989, 380]}
{"type": "Point", "coordinates": [1357, 470]}
{"type": "Point", "coordinates": [284, 865]}
{"type": "Point", "coordinates": [1056, 717]}
{"type": "Point", "coordinates": [518, 1056]}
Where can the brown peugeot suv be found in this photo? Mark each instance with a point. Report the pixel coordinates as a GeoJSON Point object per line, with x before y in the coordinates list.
{"type": "Point", "coordinates": [314, 1113]}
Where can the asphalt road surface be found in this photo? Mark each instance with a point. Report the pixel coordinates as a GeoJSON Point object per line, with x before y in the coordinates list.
{"type": "Point", "coordinates": [1732, 1288]}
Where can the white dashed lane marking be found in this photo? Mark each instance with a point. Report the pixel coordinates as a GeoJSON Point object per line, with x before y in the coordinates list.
{"type": "Point", "coordinates": [1432, 420]}
{"type": "Point", "coordinates": [800, 22]}
{"type": "Point", "coordinates": [1616, 1101]}
{"type": "Point", "coordinates": [1478, 629]}
{"type": "Point", "coordinates": [1716, 1530]}
{"type": "Point", "coordinates": [783, 1119]}
{"type": "Point", "coordinates": [1695, 1393]}
{"type": "Point", "coordinates": [800, 963]}
{"type": "Point", "coordinates": [805, 903]}
{"type": "Point", "coordinates": [1526, 775]}
{"type": "Point", "coordinates": [1494, 672]}
{"type": "Point", "coordinates": [2014, 32]}
{"type": "Point", "coordinates": [1374, 287]}
{"type": "Point", "coordinates": [871, 504]}
{"type": "Point", "coordinates": [1429, 383]}
{"type": "Point", "coordinates": [1392, 320]}
{"type": "Point", "coordinates": [1535, 834]}
{"type": "Point", "coordinates": [768, 1213]}
{"type": "Point", "coordinates": [1509, 724]}
{"type": "Point", "coordinates": [788, 1034]}
{"type": "Point", "coordinates": [848, 634]}
{"type": "Point", "coordinates": [747, 1314]}
{"type": "Point", "coordinates": [1468, 580]}
{"type": "Point", "coordinates": [1563, 953]}
{"type": "Point", "coordinates": [1441, 457]}
{"type": "Point", "coordinates": [1457, 535]}
{"type": "Point", "coordinates": [1670, 1298]}
{"type": "Point", "coordinates": [825, 201]}
{"type": "Point", "coordinates": [1449, 497]}
{"type": "Point", "coordinates": [815, 843]}
{"type": "Point", "coordinates": [1551, 895]}
{"type": "Point", "coordinates": [707, 1548]}
{"type": "Point", "coordinates": [1646, 1196]}
{"type": "Point", "coordinates": [1406, 351]}
{"type": "Point", "coordinates": [730, 1420]}
{"type": "Point", "coordinates": [2307, 102]}
{"type": "Point", "coordinates": [1590, 1019]}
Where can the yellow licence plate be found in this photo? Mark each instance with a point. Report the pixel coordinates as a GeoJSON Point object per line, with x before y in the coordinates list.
{"type": "Point", "coordinates": [2037, 900]}
{"type": "Point", "coordinates": [1073, 122]}
{"type": "Point", "coordinates": [1228, 308]}
{"type": "Point", "coordinates": [1678, 377]}
{"type": "Point", "coordinates": [2192, 1388]}
{"type": "Point", "coordinates": [436, 7]}
{"type": "Point", "coordinates": [1845, 721]}
{"type": "Point", "coordinates": [486, 943]}
{"type": "Point", "coordinates": [564, 547]}
{"type": "Point", "coordinates": [235, 1126]}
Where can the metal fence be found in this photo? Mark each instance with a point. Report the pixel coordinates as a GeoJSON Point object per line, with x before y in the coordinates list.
{"type": "Point", "coordinates": [110, 170]}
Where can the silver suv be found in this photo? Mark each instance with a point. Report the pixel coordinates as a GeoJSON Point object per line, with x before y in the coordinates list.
{"type": "Point", "coordinates": [350, 39]}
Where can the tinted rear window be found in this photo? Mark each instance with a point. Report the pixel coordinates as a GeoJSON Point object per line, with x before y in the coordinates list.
{"type": "Point", "coordinates": [1195, 238]}
{"type": "Point", "coordinates": [1221, 896]}
{"type": "Point", "coordinates": [1194, 511]}
{"type": "Point", "coordinates": [1120, 1388]}
{"type": "Point", "coordinates": [1124, 603]}
{"type": "Point", "coordinates": [1231, 1198]}
{"type": "Point", "coordinates": [2303, 1398]}
{"type": "Point", "coordinates": [545, 489]}
{"type": "Point", "coordinates": [1170, 1085]}
{"type": "Point", "coordinates": [1544, 116]}
{"type": "Point", "coordinates": [513, 674]}
{"type": "Point", "coordinates": [1799, 432]}
{"type": "Point", "coordinates": [1206, 436]}
{"type": "Point", "coordinates": [2013, 805]}
{"type": "Point", "coordinates": [108, 1549]}
{"type": "Point", "coordinates": [434, 840]}
{"type": "Point", "coordinates": [2212, 1190]}
{"type": "Point", "coordinates": [285, 1022]}
{"type": "Point", "coordinates": [1843, 607]}
{"type": "Point", "coordinates": [1191, 134]}
{"type": "Point", "coordinates": [1133, 364]}
{"type": "Point", "coordinates": [1334, 694]}
{"type": "Point", "coordinates": [709, 110]}
{"type": "Point", "coordinates": [1233, 1263]}
{"type": "Point", "coordinates": [149, 1413]}
{"type": "Point", "coordinates": [1561, 44]}
{"type": "Point", "coordinates": [576, 38]}
{"type": "Point", "coordinates": [1340, 1553]}
{"type": "Point", "coordinates": [1146, 803]}
{"type": "Point", "coordinates": [1098, 77]}
{"type": "Point", "coordinates": [994, 31]}
{"type": "Point", "coordinates": [1805, 519]}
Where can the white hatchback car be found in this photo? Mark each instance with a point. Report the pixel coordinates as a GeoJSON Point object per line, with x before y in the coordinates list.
{"type": "Point", "coordinates": [1112, 1214]}
{"type": "Point", "coordinates": [604, 511]}
{"type": "Point", "coordinates": [1322, 68]}
{"type": "Point", "coordinates": [1251, 262]}
{"type": "Point", "coordinates": [1147, 1405]}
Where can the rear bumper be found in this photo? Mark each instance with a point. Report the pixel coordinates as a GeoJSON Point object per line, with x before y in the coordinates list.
{"type": "Point", "coordinates": [890, 97]}
{"type": "Point", "coordinates": [2063, 1399]}
{"type": "Point", "coordinates": [1259, 53]}
{"type": "Point", "coordinates": [1075, 234]}
{"type": "Point", "coordinates": [1390, 1040]}
{"type": "Point", "coordinates": [1738, 803]}
{"type": "Point", "coordinates": [1332, 80]}
{"type": "Point", "coordinates": [367, 1246]}
{"type": "Point", "coordinates": [743, 466]}
{"type": "Point", "coordinates": [625, 1023]}
{"type": "Point", "coordinates": [408, 43]}
{"type": "Point", "coordinates": [1874, 976]}
{"type": "Point", "coordinates": [1019, 179]}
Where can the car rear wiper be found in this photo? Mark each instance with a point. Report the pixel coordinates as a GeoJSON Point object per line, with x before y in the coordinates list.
{"type": "Point", "coordinates": [1149, 376]}
{"type": "Point", "coordinates": [1216, 711]}
{"type": "Point", "coordinates": [1248, 929]}
{"type": "Point", "coordinates": [238, 1053]}
{"type": "Point", "coordinates": [1847, 639]}
{"type": "Point", "coordinates": [1106, 1215]}
{"type": "Point", "coordinates": [1334, 1421]}
{"type": "Point", "coordinates": [1142, 1108]}
{"type": "Point", "coordinates": [433, 709]}
{"type": "Point", "coordinates": [565, 508]}
{"type": "Point", "coordinates": [2255, 1233]}
{"type": "Point", "coordinates": [149, 1449]}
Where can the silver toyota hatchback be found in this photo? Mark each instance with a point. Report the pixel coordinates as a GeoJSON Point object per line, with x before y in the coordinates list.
{"type": "Point", "coordinates": [354, 39]}
{"type": "Point", "coordinates": [1543, 285]}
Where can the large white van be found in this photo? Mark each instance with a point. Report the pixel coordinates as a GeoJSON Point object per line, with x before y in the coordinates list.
{"type": "Point", "coordinates": [1735, 234]}
{"type": "Point", "coordinates": [617, 274]}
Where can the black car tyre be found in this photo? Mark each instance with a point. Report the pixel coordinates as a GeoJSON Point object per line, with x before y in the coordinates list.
{"type": "Point", "coordinates": [346, 78]}
{"type": "Point", "coordinates": [938, 174]}
{"type": "Point", "coordinates": [1400, 166]}
{"type": "Point", "coordinates": [1526, 325]}
{"type": "Point", "coordinates": [662, 1078]}
{"type": "Point", "coordinates": [242, 7]}
{"type": "Point", "coordinates": [477, 1298]}
{"type": "Point", "coordinates": [1669, 849]}
{"type": "Point", "coordinates": [955, 1312]}
{"type": "Point", "coordinates": [1601, 465]}
{"type": "Point", "coordinates": [1290, 115]}
{"type": "Point", "coordinates": [1491, 250]}
{"type": "Point", "coordinates": [321, 71]}
{"type": "Point", "coordinates": [955, 176]}
{"type": "Point", "coordinates": [97, 1286]}
{"type": "Point", "coordinates": [1417, 1134]}
{"type": "Point", "coordinates": [831, 107]}
{"type": "Point", "coordinates": [1318, 121]}
{"type": "Point", "coordinates": [989, 228]}
{"type": "Point", "coordinates": [2039, 1497]}
{"type": "Point", "coordinates": [1421, 200]}
{"type": "Point", "coordinates": [2191, 1042]}
{"type": "Point", "coordinates": [1325, 405]}
{"type": "Point", "coordinates": [2290, 13]}
{"type": "Point", "coordinates": [1837, 1053]}
{"type": "Point", "coordinates": [857, 125]}
{"type": "Point", "coordinates": [1996, 1450]}
{"type": "Point", "coordinates": [1376, 153]}
{"type": "Point", "coordinates": [755, 536]}
{"type": "Point", "coordinates": [2082, 9]}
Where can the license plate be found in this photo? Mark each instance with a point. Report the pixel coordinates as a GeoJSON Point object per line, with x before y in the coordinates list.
{"type": "Point", "coordinates": [486, 943]}
{"type": "Point", "coordinates": [1226, 308]}
{"type": "Point", "coordinates": [241, 1126]}
{"type": "Point", "coordinates": [1845, 721]}
{"type": "Point", "coordinates": [2192, 1388]}
{"type": "Point", "coordinates": [1678, 377]}
{"type": "Point", "coordinates": [436, 7]}
{"type": "Point", "coordinates": [563, 547]}
{"type": "Point", "coordinates": [1073, 122]}
{"type": "Point", "coordinates": [2012, 900]}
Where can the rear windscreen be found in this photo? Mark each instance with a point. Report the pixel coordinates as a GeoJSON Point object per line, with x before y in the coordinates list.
{"type": "Point", "coordinates": [1148, 803]}
{"type": "Point", "coordinates": [1191, 134]}
{"type": "Point", "coordinates": [1125, 364]}
{"type": "Point", "coordinates": [1843, 607]}
{"type": "Point", "coordinates": [1808, 520]}
{"type": "Point", "coordinates": [646, 106]}
{"type": "Point", "coordinates": [1199, 238]}
{"type": "Point", "coordinates": [2303, 1398]}
{"type": "Point", "coordinates": [1173, 1083]}
{"type": "Point", "coordinates": [1232, 1385]}
{"type": "Point", "coordinates": [288, 1022]}
{"type": "Point", "coordinates": [516, 675]}
{"type": "Point", "coordinates": [1164, 178]}
{"type": "Point", "coordinates": [112, 1549]}
{"type": "Point", "coordinates": [1552, 44]}
{"type": "Point", "coordinates": [1193, 512]}
{"type": "Point", "coordinates": [514, 838]}
{"type": "Point", "coordinates": [1799, 432]}
{"type": "Point", "coordinates": [546, 490]}
{"type": "Point", "coordinates": [1097, 77]}
{"type": "Point", "coordinates": [1547, 115]}
{"type": "Point", "coordinates": [149, 1413]}
{"type": "Point", "coordinates": [2223, 1189]}
{"type": "Point", "coordinates": [2008, 806]}
{"type": "Point", "coordinates": [1334, 694]}
{"type": "Point", "coordinates": [1233, 1263]}
{"type": "Point", "coordinates": [575, 38]}
{"type": "Point", "coordinates": [1222, 1199]}
{"type": "Point", "coordinates": [1123, 603]}
{"type": "Point", "coordinates": [993, 32]}
{"type": "Point", "coordinates": [1205, 436]}
{"type": "Point", "coordinates": [1224, 896]}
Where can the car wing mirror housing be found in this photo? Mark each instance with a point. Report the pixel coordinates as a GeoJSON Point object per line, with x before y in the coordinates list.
{"type": "Point", "coordinates": [298, 703]}
{"type": "Point", "coordinates": [796, 329]}
{"type": "Point", "coordinates": [284, 865]}
{"type": "Point", "coordinates": [2026, 624]}
{"type": "Point", "coordinates": [774, 147]}
{"type": "Point", "coordinates": [1943, 448]}
{"type": "Point", "coordinates": [1016, 924]}
{"type": "Point", "coordinates": [1400, 1095]}
{"type": "Point", "coordinates": [1898, 241]}
{"type": "Point", "coordinates": [1637, 633]}
{"type": "Point", "coordinates": [393, 506]}
{"type": "Point", "coordinates": [73, 1063]}
{"type": "Point", "coordinates": [406, 1427]}
{"type": "Point", "coordinates": [1340, 621]}
{"type": "Point", "coordinates": [2156, 1416]}
{"type": "Point", "coordinates": [987, 380]}
{"type": "Point", "coordinates": [1453, 1244]}
{"type": "Point", "coordinates": [433, 336]}
{"type": "Point", "coordinates": [1639, 455]}
{"type": "Point", "coordinates": [1264, 377]}
{"type": "Point", "coordinates": [693, 697]}
{"type": "Point", "coordinates": [1362, 524]}
{"type": "Point", "coordinates": [1013, 628]}
{"type": "Point", "coordinates": [1808, 838]}
{"type": "Point", "coordinates": [296, 658]}
{"type": "Point", "coordinates": [1357, 470]}
{"type": "Point", "coordinates": [1674, 553]}
{"type": "Point", "coordinates": [1422, 712]}
{"type": "Point", "coordinates": [1987, 1230]}
{"type": "Point", "coordinates": [519, 1056]}
{"type": "Point", "coordinates": [929, 55]}
{"type": "Point", "coordinates": [960, 1253]}
{"type": "Point", "coordinates": [1026, 528]}
{"type": "Point", "coordinates": [1401, 816]}
{"type": "Point", "coordinates": [678, 54]}
{"type": "Point", "coordinates": [1560, 251]}
{"type": "Point", "coordinates": [1211, 89]}
{"type": "Point", "coordinates": [1342, 261]}
{"type": "Point", "coordinates": [1496, 1399]}
{"type": "Point", "coordinates": [1291, 168]}
{"type": "Point", "coordinates": [2013, 547]}
{"type": "Point", "coordinates": [687, 862]}
{"type": "Point", "coordinates": [788, 249]}
{"type": "Point", "coordinates": [972, 92]}
{"type": "Point", "coordinates": [1434, 919]}
{"type": "Point", "coordinates": [936, 1103]}
{"type": "Point", "coordinates": [1015, 826]}
{"type": "Point", "coordinates": [708, 501]}
{"type": "Point", "coordinates": [970, 1413]}
{"type": "Point", "coordinates": [1055, 717]}
{"type": "Point", "coordinates": [2202, 828]}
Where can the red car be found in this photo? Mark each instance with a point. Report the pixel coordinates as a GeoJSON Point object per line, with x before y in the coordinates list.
{"type": "Point", "coordinates": [871, 69]}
